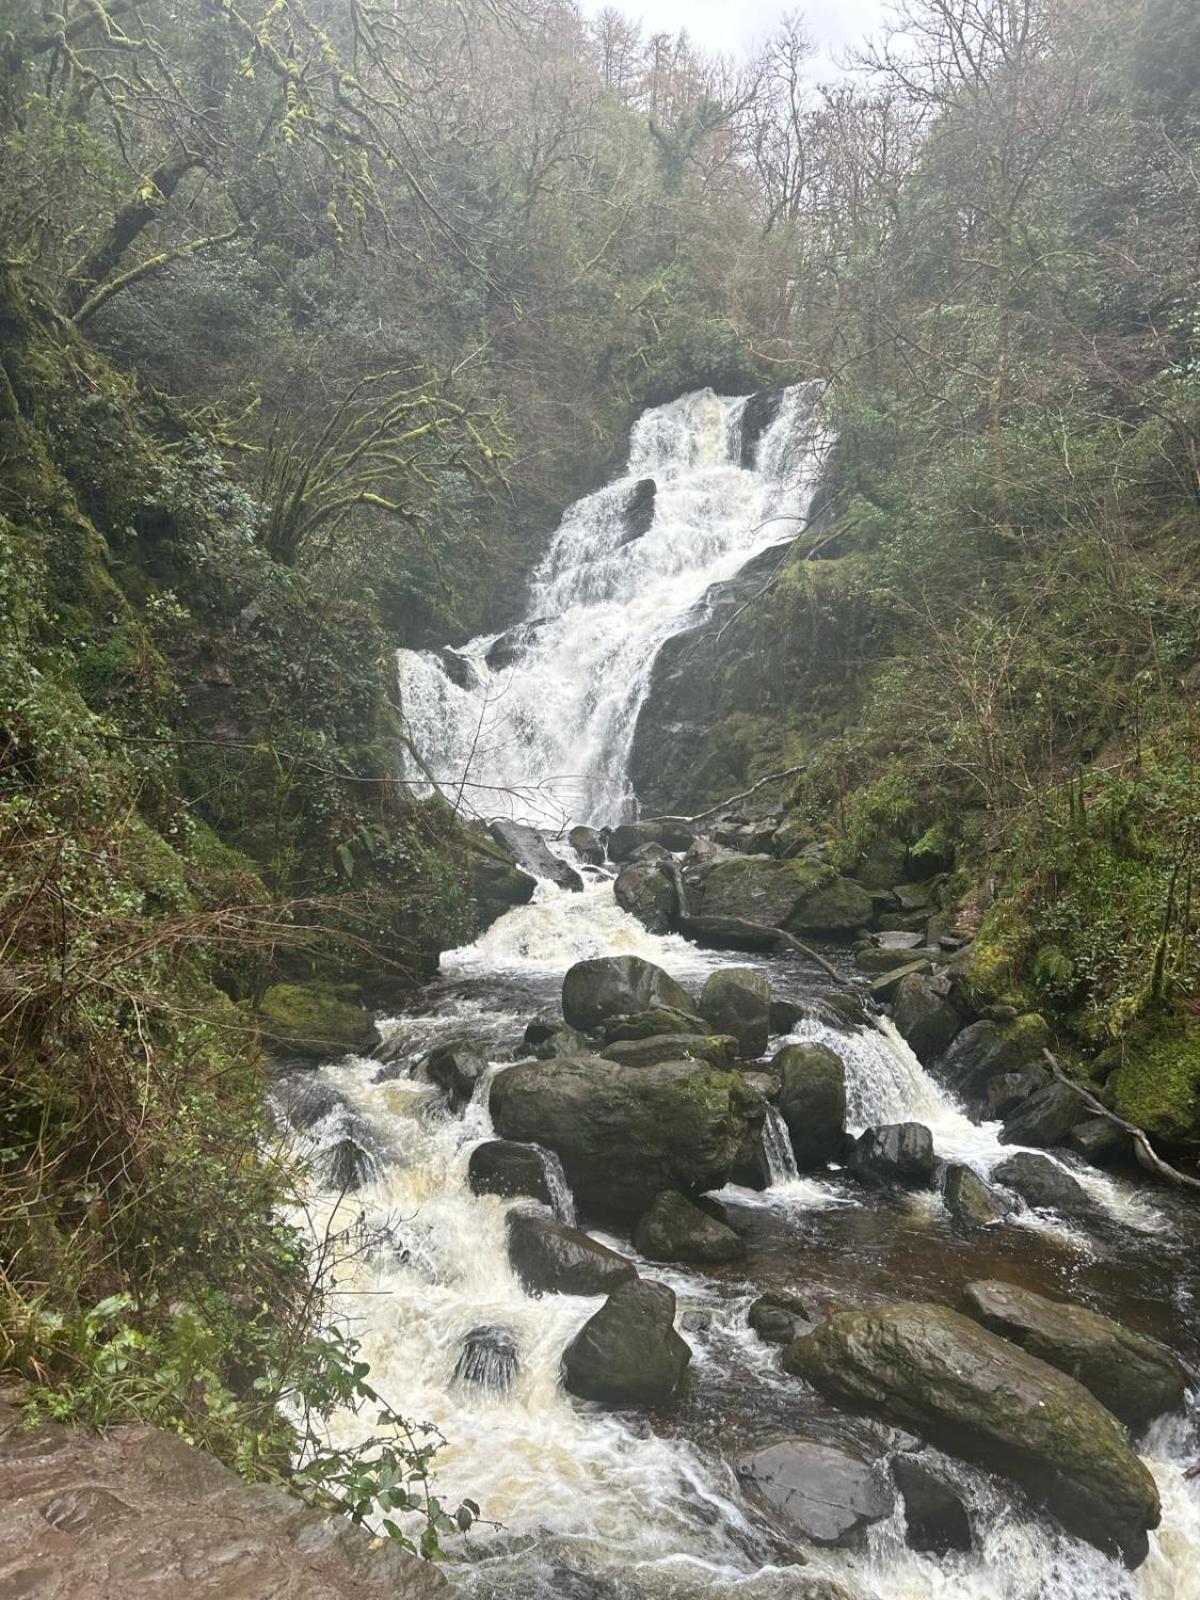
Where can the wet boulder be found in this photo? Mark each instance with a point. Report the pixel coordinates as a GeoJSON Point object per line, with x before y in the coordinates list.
{"type": "Point", "coordinates": [488, 1359]}
{"type": "Point", "coordinates": [925, 1015]}
{"type": "Point", "coordinates": [611, 986]}
{"type": "Point", "coordinates": [737, 1000]}
{"type": "Point", "coordinates": [970, 1200]}
{"type": "Point", "coordinates": [1046, 1118]}
{"type": "Point", "coordinates": [822, 1494]}
{"type": "Point", "coordinates": [1043, 1184]}
{"type": "Point", "coordinates": [935, 1519]}
{"type": "Point", "coordinates": [623, 1134]}
{"type": "Point", "coordinates": [532, 854]}
{"type": "Point", "coordinates": [304, 1104]}
{"type": "Point", "coordinates": [779, 1316]}
{"type": "Point", "coordinates": [588, 845]}
{"type": "Point", "coordinates": [638, 511]}
{"type": "Point", "coordinates": [989, 1048]}
{"type": "Point", "coordinates": [812, 1102]}
{"type": "Point", "coordinates": [630, 836]}
{"type": "Point", "coordinates": [715, 1049]}
{"type": "Point", "coordinates": [1134, 1377]}
{"type": "Point", "coordinates": [628, 1353]}
{"type": "Point", "coordinates": [929, 1368]}
{"type": "Point", "coordinates": [646, 891]}
{"type": "Point", "coordinates": [548, 1035]}
{"type": "Point", "coordinates": [785, 1015]}
{"type": "Point", "coordinates": [1101, 1143]}
{"type": "Point", "coordinates": [799, 895]}
{"type": "Point", "coordinates": [510, 1170]}
{"type": "Point", "coordinates": [347, 1165]}
{"type": "Point", "coordinates": [898, 1153]}
{"type": "Point", "coordinates": [1009, 1090]}
{"type": "Point", "coordinates": [510, 646]}
{"type": "Point", "coordinates": [675, 1230]}
{"type": "Point", "coordinates": [551, 1258]}
{"type": "Point", "coordinates": [456, 1067]}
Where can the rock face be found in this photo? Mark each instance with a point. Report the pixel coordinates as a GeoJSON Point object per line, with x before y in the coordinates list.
{"type": "Point", "coordinates": [926, 1367]}
{"type": "Point", "coordinates": [141, 1514]}
{"type": "Point", "coordinates": [925, 1015]}
{"type": "Point", "coordinates": [817, 1492]}
{"type": "Point", "coordinates": [456, 1067]}
{"type": "Point", "coordinates": [737, 1000]}
{"type": "Point", "coordinates": [675, 1230]}
{"type": "Point", "coordinates": [550, 1258]}
{"type": "Point", "coordinates": [624, 1134]}
{"type": "Point", "coordinates": [1134, 1377]}
{"type": "Point", "coordinates": [647, 892]}
{"type": "Point", "coordinates": [801, 896]}
{"type": "Point", "coordinates": [812, 1101]}
{"type": "Point", "coordinates": [934, 1517]}
{"type": "Point", "coordinates": [500, 1166]}
{"type": "Point", "coordinates": [612, 986]}
{"type": "Point", "coordinates": [969, 1199]}
{"type": "Point", "coordinates": [717, 1049]}
{"type": "Point", "coordinates": [629, 1352]}
{"type": "Point", "coordinates": [899, 1153]}
{"type": "Point", "coordinates": [532, 854]}
{"type": "Point", "coordinates": [1043, 1184]}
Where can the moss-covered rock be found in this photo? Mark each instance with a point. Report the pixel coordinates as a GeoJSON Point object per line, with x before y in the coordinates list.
{"type": "Point", "coordinates": [675, 1230]}
{"type": "Point", "coordinates": [314, 1020]}
{"type": "Point", "coordinates": [799, 895]}
{"type": "Point", "coordinates": [1157, 1084]}
{"type": "Point", "coordinates": [928, 1367]}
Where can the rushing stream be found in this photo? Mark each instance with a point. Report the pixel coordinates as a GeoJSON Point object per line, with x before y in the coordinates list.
{"type": "Point", "coordinates": [600, 1505]}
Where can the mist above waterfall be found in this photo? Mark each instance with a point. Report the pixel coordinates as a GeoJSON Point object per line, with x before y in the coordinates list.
{"type": "Point", "coordinates": [540, 722]}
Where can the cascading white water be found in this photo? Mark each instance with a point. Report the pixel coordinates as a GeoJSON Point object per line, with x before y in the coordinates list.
{"type": "Point", "coordinates": [548, 736]}
{"type": "Point", "coordinates": [575, 1486]}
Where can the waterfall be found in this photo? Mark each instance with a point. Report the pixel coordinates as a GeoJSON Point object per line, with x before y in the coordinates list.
{"type": "Point", "coordinates": [777, 1150]}
{"type": "Point", "coordinates": [539, 721]}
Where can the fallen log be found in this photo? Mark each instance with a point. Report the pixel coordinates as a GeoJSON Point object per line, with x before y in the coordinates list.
{"type": "Point", "coordinates": [1145, 1152]}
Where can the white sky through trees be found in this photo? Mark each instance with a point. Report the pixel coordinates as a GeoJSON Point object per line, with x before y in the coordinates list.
{"type": "Point", "coordinates": [731, 27]}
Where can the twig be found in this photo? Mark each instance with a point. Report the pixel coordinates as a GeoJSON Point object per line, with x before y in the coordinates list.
{"type": "Point", "coordinates": [701, 816]}
{"type": "Point", "coordinates": [1145, 1152]}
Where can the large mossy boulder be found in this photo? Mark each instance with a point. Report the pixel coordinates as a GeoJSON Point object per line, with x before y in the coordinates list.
{"type": "Point", "coordinates": [314, 1020]}
{"type": "Point", "coordinates": [982, 1397]}
{"type": "Point", "coordinates": [646, 890]}
{"type": "Point", "coordinates": [812, 1101]}
{"type": "Point", "coordinates": [1133, 1376]}
{"type": "Point", "coordinates": [737, 1000]}
{"type": "Point", "coordinates": [611, 986]}
{"type": "Point", "coordinates": [551, 1258]}
{"type": "Point", "coordinates": [629, 837]}
{"type": "Point", "coordinates": [675, 1230]}
{"type": "Point", "coordinates": [629, 1352]}
{"type": "Point", "coordinates": [1156, 1083]}
{"type": "Point", "coordinates": [624, 1134]}
{"type": "Point", "coordinates": [800, 896]}
{"type": "Point", "coordinates": [657, 1023]}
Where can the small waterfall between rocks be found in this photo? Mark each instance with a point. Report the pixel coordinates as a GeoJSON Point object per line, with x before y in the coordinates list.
{"type": "Point", "coordinates": [596, 1504]}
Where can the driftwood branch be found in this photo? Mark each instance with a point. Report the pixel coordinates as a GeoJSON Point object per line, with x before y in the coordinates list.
{"type": "Point", "coordinates": [1147, 1156]}
{"type": "Point", "coordinates": [721, 805]}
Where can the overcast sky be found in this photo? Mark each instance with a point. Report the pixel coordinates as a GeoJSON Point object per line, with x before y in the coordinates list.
{"type": "Point", "coordinates": [729, 25]}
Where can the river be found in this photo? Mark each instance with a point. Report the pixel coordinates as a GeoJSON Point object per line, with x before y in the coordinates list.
{"type": "Point", "coordinates": [600, 1505]}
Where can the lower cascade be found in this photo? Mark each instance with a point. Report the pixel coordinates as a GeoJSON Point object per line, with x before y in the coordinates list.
{"type": "Point", "coordinates": [698, 1317]}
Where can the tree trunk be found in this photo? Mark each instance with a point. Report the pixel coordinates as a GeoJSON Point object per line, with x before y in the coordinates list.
{"type": "Point", "coordinates": [134, 216]}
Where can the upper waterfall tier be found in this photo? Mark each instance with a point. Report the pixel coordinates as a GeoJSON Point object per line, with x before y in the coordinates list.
{"type": "Point", "coordinates": [537, 723]}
